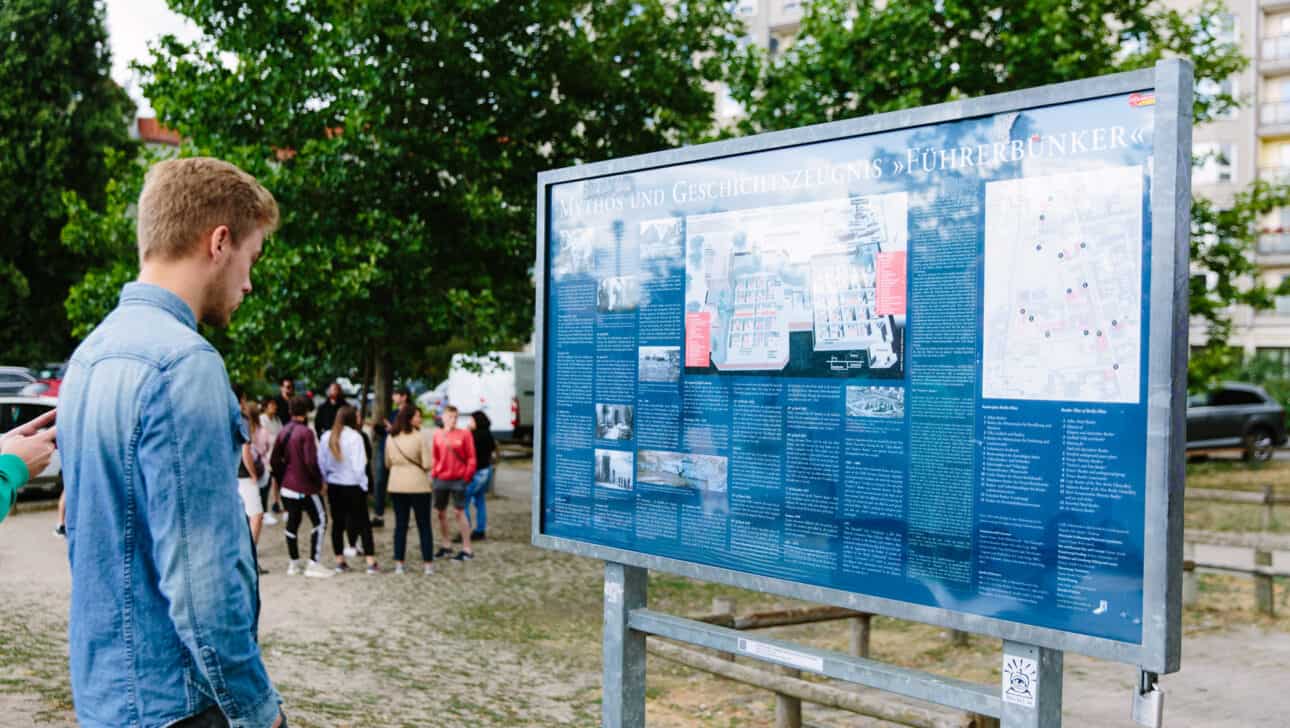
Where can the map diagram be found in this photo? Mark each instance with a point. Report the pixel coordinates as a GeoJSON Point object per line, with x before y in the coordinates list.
{"type": "Point", "coordinates": [1063, 287]}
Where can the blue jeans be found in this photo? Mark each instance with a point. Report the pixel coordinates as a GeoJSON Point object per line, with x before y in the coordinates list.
{"type": "Point", "coordinates": [475, 491]}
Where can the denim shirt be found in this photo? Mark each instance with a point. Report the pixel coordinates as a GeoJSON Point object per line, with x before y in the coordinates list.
{"type": "Point", "coordinates": [165, 587]}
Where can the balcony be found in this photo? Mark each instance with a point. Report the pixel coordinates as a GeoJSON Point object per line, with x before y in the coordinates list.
{"type": "Point", "coordinates": [1274, 118]}
{"type": "Point", "coordinates": [1274, 243]}
{"type": "Point", "coordinates": [1276, 174]}
{"type": "Point", "coordinates": [1273, 50]}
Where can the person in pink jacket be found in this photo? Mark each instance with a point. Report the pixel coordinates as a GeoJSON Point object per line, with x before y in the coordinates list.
{"type": "Point", "coordinates": [454, 466]}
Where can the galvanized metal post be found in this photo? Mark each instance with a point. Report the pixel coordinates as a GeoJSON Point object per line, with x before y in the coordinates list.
{"type": "Point", "coordinates": [1032, 686]}
{"type": "Point", "coordinates": [1264, 589]}
{"type": "Point", "coordinates": [623, 682]}
{"type": "Point", "coordinates": [860, 635]}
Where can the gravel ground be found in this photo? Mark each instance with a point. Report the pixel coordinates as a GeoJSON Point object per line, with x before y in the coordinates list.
{"type": "Point", "coordinates": [512, 639]}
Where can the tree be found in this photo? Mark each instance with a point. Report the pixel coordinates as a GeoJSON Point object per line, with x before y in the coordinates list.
{"type": "Point", "coordinates": [403, 140]}
{"type": "Point", "coordinates": [62, 120]}
{"type": "Point", "coordinates": [859, 57]}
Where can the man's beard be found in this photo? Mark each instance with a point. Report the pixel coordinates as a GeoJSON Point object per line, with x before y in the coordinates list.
{"type": "Point", "coordinates": [218, 310]}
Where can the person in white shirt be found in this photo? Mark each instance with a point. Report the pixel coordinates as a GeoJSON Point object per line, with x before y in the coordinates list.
{"type": "Point", "coordinates": [270, 425]}
{"type": "Point", "coordinates": [343, 462]}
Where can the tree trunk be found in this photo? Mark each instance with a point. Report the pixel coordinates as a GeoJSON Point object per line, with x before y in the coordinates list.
{"type": "Point", "coordinates": [367, 383]}
{"type": "Point", "coordinates": [382, 382]}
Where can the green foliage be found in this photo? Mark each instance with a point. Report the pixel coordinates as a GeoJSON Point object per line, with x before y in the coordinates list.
{"type": "Point", "coordinates": [62, 123]}
{"type": "Point", "coordinates": [859, 57]}
{"type": "Point", "coordinates": [402, 141]}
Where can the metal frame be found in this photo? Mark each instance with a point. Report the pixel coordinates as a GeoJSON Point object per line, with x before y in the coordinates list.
{"type": "Point", "coordinates": [1159, 651]}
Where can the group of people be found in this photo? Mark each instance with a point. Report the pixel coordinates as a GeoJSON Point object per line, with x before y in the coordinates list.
{"type": "Point", "coordinates": [285, 465]}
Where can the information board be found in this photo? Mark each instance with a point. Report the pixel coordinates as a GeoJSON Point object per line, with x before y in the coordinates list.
{"type": "Point", "coordinates": [911, 364]}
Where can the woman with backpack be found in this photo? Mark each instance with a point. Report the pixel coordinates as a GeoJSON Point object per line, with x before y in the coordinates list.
{"type": "Point", "coordinates": [408, 459]}
{"type": "Point", "coordinates": [342, 458]}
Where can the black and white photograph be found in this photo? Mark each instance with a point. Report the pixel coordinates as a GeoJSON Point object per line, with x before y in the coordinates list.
{"type": "Point", "coordinates": [614, 469]}
{"type": "Point", "coordinates": [682, 470]}
{"type": "Point", "coordinates": [575, 252]}
{"type": "Point", "coordinates": [615, 421]}
{"type": "Point", "coordinates": [618, 294]}
{"type": "Point", "coordinates": [879, 402]}
{"type": "Point", "coordinates": [659, 363]}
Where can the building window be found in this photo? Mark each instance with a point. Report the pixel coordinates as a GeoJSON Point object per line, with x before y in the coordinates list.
{"type": "Point", "coordinates": [1274, 354]}
{"type": "Point", "coordinates": [1207, 89]}
{"type": "Point", "coordinates": [746, 8]}
{"type": "Point", "coordinates": [1282, 303]}
{"type": "Point", "coordinates": [1216, 163]}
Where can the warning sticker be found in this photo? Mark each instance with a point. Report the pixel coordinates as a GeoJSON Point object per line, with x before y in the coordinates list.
{"type": "Point", "coordinates": [1020, 680]}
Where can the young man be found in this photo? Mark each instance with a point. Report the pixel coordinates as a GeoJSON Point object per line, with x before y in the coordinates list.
{"type": "Point", "coordinates": [295, 465]}
{"type": "Point", "coordinates": [382, 482]}
{"type": "Point", "coordinates": [286, 391]}
{"type": "Point", "coordinates": [326, 414]}
{"type": "Point", "coordinates": [165, 590]}
{"type": "Point", "coordinates": [454, 466]}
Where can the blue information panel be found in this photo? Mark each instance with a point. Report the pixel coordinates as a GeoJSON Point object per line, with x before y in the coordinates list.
{"type": "Point", "coordinates": [910, 364]}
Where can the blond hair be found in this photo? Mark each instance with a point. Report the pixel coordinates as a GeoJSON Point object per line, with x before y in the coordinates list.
{"type": "Point", "coordinates": [185, 199]}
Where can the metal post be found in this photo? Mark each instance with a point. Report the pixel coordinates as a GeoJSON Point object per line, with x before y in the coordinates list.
{"type": "Point", "coordinates": [623, 686]}
{"type": "Point", "coordinates": [860, 635]}
{"type": "Point", "coordinates": [1264, 589]}
{"type": "Point", "coordinates": [1190, 585]}
{"type": "Point", "coordinates": [1268, 498]}
{"type": "Point", "coordinates": [1032, 686]}
{"type": "Point", "coordinates": [725, 606]}
{"type": "Point", "coordinates": [788, 709]}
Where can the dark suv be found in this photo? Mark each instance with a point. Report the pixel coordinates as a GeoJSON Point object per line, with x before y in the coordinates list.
{"type": "Point", "coordinates": [1236, 416]}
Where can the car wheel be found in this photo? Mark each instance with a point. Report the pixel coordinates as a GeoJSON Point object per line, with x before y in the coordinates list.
{"type": "Point", "coordinates": [1259, 445]}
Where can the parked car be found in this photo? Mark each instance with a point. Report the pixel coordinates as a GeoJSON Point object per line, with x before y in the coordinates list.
{"type": "Point", "coordinates": [48, 380]}
{"type": "Point", "coordinates": [16, 410]}
{"type": "Point", "coordinates": [1236, 416]}
{"type": "Point", "coordinates": [13, 379]}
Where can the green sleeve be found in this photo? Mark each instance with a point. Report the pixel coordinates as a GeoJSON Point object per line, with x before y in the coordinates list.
{"type": "Point", "coordinates": [13, 474]}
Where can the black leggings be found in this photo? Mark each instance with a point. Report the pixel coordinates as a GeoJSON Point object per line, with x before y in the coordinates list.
{"type": "Point", "coordinates": [297, 507]}
{"type": "Point", "coordinates": [420, 503]}
{"type": "Point", "coordinates": [349, 513]}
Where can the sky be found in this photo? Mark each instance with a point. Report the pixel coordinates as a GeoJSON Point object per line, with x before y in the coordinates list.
{"type": "Point", "coordinates": [131, 25]}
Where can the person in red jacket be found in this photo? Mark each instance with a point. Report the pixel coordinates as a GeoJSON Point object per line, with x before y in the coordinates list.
{"type": "Point", "coordinates": [295, 465]}
{"type": "Point", "coordinates": [454, 466]}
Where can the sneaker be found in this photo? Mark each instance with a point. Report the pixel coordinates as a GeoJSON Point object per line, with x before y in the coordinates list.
{"type": "Point", "coordinates": [428, 569]}
{"type": "Point", "coordinates": [341, 568]}
{"type": "Point", "coordinates": [350, 552]}
{"type": "Point", "coordinates": [398, 569]}
{"type": "Point", "coordinates": [378, 522]}
{"type": "Point", "coordinates": [478, 536]}
{"type": "Point", "coordinates": [373, 569]}
{"type": "Point", "coordinates": [61, 531]}
{"type": "Point", "coordinates": [442, 552]}
{"type": "Point", "coordinates": [358, 551]}
{"type": "Point", "coordinates": [263, 571]}
{"type": "Point", "coordinates": [463, 556]}
{"type": "Point", "coordinates": [270, 520]}
{"type": "Point", "coordinates": [293, 569]}
{"type": "Point", "coordinates": [318, 571]}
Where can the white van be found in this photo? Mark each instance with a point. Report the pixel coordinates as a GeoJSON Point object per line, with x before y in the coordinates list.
{"type": "Point", "coordinates": [503, 388]}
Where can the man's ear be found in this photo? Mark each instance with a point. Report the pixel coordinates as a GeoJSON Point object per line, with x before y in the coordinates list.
{"type": "Point", "coordinates": [219, 241]}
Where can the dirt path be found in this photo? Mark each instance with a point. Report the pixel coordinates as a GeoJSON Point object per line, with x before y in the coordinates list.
{"type": "Point", "coordinates": [512, 639]}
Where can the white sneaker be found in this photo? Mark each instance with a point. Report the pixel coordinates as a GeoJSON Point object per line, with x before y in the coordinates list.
{"type": "Point", "coordinates": [269, 520]}
{"type": "Point", "coordinates": [351, 552]}
{"type": "Point", "coordinates": [398, 569]}
{"type": "Point", "coordinates": [318, 571]}
{"type": "Point", "coordinates": [293, 569]}
{"type": "Point", "coordinates": [428, 569]}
